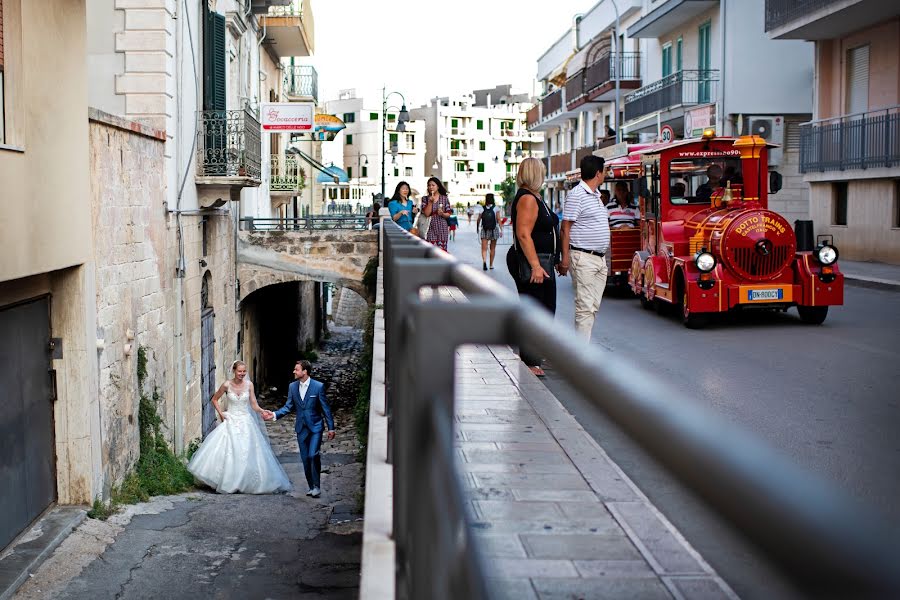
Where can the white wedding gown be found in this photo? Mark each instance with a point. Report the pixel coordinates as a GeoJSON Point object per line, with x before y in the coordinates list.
{"type": "Point", "coordinates": [236, 456]}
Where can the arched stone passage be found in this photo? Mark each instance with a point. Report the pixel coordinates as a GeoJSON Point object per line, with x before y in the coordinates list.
{"type": "Point", "coordinates": [272, 257]}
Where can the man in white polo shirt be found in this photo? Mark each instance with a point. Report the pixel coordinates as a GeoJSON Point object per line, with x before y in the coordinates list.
{"type": "Point", "coordinates": [585, 241]}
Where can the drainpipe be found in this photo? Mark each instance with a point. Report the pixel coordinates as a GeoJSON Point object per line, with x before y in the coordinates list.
{"type": "Point", "coordinates": [178, 333]}
{"type": "Point", "coordinates": [618, 60]}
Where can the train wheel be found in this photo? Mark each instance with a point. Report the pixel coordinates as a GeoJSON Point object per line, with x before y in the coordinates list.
{"type": "Point", "coordinates": [646, 303]}
{"type": "Point", "coordinates": [813, 315]}
{"type": "Point", "coordinates": [690, 320]}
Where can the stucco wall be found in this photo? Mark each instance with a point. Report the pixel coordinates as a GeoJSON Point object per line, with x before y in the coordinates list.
{"type": "Point", "coordinates": [869, 234]}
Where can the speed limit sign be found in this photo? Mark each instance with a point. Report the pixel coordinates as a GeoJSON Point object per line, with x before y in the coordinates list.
{"type": "Point", "coordinates": [666, 134]}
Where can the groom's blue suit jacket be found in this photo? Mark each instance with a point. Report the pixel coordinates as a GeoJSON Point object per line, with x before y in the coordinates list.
{"type": "Point", "coordinates": [310, 410]}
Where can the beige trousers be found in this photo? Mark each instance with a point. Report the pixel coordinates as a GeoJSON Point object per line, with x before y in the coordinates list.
{"type": "Point", "coordinates": [588, 282]}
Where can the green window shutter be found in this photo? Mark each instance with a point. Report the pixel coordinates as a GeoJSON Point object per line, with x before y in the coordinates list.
{"type": "Point", "coordinates": [679, 47]}
{"type": "Point", "coordinates": [481, 167]}
{"type": "Point", "coordinates": [365, 171]}
{"type": "Point", "coordinates": [482, 145]}
{"type": "Point", "coordinates": [373, 116]}
{"type": "Point", "coordinates": [454, 144]}
{"type": "Point", "coordinates": [479, 124]}
{"type": "Point", "coordinates": [393, 138]}
{"type": "Point", "coordinates": [349, 139]}
{"type": "Point", "coordinates": [349, 172]}
{"type": "Point", "coordinates": [396, 172]}
{"type": "Point", "coordinates": [214, 90]}
{"type": "Point", "coordinates": [496, 187]}
{"type": "Point", "coordinates": [454, 123]}
{"type": "Point", "coordinates": [667, 60]}
{"type": "Point", "coordinates": [391, 118]}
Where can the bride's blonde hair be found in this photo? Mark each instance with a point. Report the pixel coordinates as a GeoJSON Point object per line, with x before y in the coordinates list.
{"type": "Point", "coordinates": [236, 364]}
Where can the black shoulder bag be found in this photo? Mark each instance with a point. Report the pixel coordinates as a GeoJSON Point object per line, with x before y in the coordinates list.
{"type": "Point", "coordinates": [547, 259]}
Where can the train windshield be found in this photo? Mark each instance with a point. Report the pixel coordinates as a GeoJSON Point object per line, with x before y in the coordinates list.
{"type": "Point", "coordinates": [694, 180]}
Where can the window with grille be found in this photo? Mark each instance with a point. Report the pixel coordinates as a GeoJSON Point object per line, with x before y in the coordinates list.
{"type": "Point", "coordinates": [411, 141]}
{"type": "Point", "coordinates": [408, 171]}
{"type": "Point", "coordinates": [839, 200]}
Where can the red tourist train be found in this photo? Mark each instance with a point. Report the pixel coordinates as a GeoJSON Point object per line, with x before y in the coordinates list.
{"type": "Point", "coordinates": [707, 242]}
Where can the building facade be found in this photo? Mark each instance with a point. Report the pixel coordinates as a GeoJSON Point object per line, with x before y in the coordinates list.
{"type": "Point", "coordinates": [682, 66]}
{"type": "Point", "coordinates": [373, 145]}
{"type": "Point", "coordinates": [476, 141]}
{"type": "Point", "coordinates": [850, 151]}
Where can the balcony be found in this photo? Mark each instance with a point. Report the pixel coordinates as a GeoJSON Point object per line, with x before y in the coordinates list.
{"type": "Point", "coordinates": [290, 29]}
{"type": "Point", "coordinates": [301, 82]}
{"type": "Point", "coordinates": [551, 103]}
{"type": "Point", "coordinates": [459, 152]}
{"type": "Point", "coordinates": [684, 88]}
{"type": "Point", "coordinates": [228, 154]}
{"type": "Point", "coordinates": [823, 19]}
{"type": "Point", "coordinates": [560, 163]}
{"type": "Point", "coordinates": [868, 140]}
{"type": "Point", "coordinates": [533, 116]}
{"type": "Point", "coordinates": [597, 82]}
{"type": "Point", "coordinates": [458, 132]}
{"type": "Point", "coordinates": [286, 175]}
{"type": "Point", "coordinates": [663, 17]}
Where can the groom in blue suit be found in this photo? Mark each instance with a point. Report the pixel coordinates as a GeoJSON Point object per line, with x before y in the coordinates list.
{"type": "Point", "coordinates": [307, 397]}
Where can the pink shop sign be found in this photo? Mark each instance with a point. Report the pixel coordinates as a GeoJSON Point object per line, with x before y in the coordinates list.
{"type": "Point", "coordinates": [287, 116]}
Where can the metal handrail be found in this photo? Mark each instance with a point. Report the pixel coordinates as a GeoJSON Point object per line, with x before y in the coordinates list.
{"type": "Point", "coordinates": [819, 537]}
{"type": "Point", "coordinates": [356, 222]}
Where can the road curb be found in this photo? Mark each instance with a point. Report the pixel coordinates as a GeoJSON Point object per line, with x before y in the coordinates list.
{"type": "Point", "coordinates": [872, 282]}
{"type": "Point", "coordinates": [27, 555]}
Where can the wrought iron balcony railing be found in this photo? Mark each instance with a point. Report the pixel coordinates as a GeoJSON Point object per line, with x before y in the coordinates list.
{"type": "Point", "coordinates": [228, 144]}
{"type": "Point", "coordinates": [286, 175]}
{"type": "Point", "coordinates": [860, 141]}
{"type": "Point", "coordinates": [782, 12]}
{"type": "Point", "coordinates": [678, 89]}
{"type": "Point", "coordinates": [302, 81]}
{"type": "Point", "coordinates": [294, 9]}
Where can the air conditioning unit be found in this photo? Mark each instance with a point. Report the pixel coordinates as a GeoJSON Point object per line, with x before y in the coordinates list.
{"type": "Point", "coordinates": [770, 129]}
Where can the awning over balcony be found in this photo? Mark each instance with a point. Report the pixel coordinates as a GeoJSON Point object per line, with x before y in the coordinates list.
{"type": "Point", "coordinates": [667, 16]}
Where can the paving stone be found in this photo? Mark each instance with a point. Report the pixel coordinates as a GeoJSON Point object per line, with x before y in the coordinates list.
{"type": "Point", "coordinates": [657, 540]}
{"type": "Point", "coordinates": [511, 589]}
{"type": "Point", "coordinates": [517, 446]}
{"type": "Point", "coordinates": [581, 547]}
{"type": "Point", "coordinates": [510, 456]}
{"type": "Point", "coordinates": [559, 481]}
{"type": "Point", "coordinates": [503, 437]}
{"type": "Point", "coordinates": [698, 587]}
{"type": "Point", "coordinates": [606, 525]}
{"type": "Point", "coordinates": [537, 468]}
{"type": "Point", "coordinates": [499, 510]}
{"type": "Point", "coordinates": [527, 567]}
{"type": "Point", "coordinates": [501, 545]}
{"type": "Point", "coordinates": [614, 568]}
{"type": "Point", "coordinates": [605, 588]}
{"type": "Point", "coordinates": [583, 509]}
{"type": "Point", "coordinates": [581, 496]}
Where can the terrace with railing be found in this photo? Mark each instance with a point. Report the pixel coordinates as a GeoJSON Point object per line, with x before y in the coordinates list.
{"type": "Point", "coordinates": [301, 81]}
{"type": "Point", "coordinates": [859, 141]}
{"type": "Point", "coordinates": [683, 88]}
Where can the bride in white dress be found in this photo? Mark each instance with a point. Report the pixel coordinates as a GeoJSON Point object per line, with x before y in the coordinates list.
{"type": "Point", "coordinates": [236, 456]}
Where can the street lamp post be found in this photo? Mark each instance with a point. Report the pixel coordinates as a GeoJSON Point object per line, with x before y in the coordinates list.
{"type": "Point", "coordinates": [402, 120]}
{"type": "Point", "coordinates": [617, 65]}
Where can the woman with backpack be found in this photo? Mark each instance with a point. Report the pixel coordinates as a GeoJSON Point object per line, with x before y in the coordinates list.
{"type": "Point", "coordinates": [490, 230]}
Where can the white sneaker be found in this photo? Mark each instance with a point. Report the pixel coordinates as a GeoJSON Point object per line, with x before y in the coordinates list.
{"type": "Point", "coordinates": [315, 493]}
{"type": "Point", "coordinates": [310, 492]}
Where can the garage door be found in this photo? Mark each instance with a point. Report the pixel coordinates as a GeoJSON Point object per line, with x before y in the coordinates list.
{"type": "Point", "coordinates": [27, 455]}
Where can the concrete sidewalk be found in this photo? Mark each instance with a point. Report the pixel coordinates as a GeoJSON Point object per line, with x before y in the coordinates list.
{"type": "Point", "coordinates": [555, 517]}
{"type": "Point", "coordinates": [871, 274]}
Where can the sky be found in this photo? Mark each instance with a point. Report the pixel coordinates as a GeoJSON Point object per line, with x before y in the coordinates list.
{"type": "Point", "coordinates": [427, 48]}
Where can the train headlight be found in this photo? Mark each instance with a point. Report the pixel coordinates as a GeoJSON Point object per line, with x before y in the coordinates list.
{"type": "Point", "coordinates": [705, 262]}
{"type": "Point", "coordinates": [826, 254]}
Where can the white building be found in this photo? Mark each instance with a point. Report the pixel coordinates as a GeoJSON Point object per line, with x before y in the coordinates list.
{"type": "Point", "coordinates": [369, 145]}
{"type": "Point", "coordinates": [684, 65]}
{"type": "Point", "coordinates": [476, 141]}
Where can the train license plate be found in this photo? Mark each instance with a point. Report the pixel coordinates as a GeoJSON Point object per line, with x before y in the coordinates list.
{"type": "Point", "coordinates": [769, 295]}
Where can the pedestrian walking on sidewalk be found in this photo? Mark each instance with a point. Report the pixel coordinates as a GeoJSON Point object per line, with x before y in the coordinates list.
{"type": "Point", "coordinates": [306, 396]}
{"type": "Point", "coordinates": [437, 206]}
{"type": "Point", "coordinates": [469, 212]}
{"type": "Point", "coordinates": [533, 255]}
{"type": "Point", "coordinates": [403, 211]}
{"type": "Point", "coordinates": [585, 241]}
{"type": "Point", "coordinates": [452, 224]}
{"type": "Point", "coordinates": [489, 228]}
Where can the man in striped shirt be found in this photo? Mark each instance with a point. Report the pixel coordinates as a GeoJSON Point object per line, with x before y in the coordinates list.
{"type": "Point", "coordinates": [585, 241]}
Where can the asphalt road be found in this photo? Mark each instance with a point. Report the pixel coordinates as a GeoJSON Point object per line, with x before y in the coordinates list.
{"type": "Point", "coordinates": [822, 395]}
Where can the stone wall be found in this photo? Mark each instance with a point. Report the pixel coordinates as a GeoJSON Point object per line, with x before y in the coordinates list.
{"type": "Point", "coordinates": [351, 309]}
{"type": "Point", "coordinates": [136, 246]}
{"type": "Point", "coordinates": [334, 256]}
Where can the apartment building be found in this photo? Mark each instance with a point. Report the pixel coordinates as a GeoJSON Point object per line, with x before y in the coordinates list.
{"type": "Point", "coordinates": [684, 65]}
{"type": "Point", "coordinates": [48, 338]}
{"type": "Point", "coordinates": [476, 141]}
{"type": "Point", "coordinates": [378, 152]}
{"type": "Point", "coordinates": [850, 150]}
